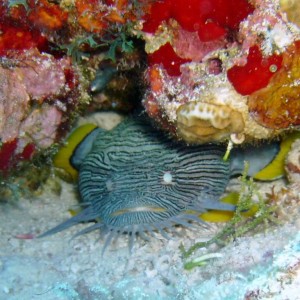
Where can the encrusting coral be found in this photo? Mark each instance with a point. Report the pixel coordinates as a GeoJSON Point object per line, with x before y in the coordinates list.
{"type": "Point", "coordinates": [34, 96]}
{"type": "Point", "coordinates": [222, 70]}
{"type": "Point", "coordinates": [217, 70]}
{"type": "Point", "coordinates": [49, 55]}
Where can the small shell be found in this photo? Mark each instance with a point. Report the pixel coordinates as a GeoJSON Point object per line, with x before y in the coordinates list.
{"type": "Point", "coordinates": [201, 122]}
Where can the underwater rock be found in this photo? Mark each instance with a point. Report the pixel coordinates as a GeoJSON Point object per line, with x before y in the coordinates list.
{"type": "Point", "coordinates": [29, 24]}
{"type": "Point", "coordinates": [292, 165]}
{"type": "Point", "coordinates": [49, 55]}
{"type": "Point", "coordinates": [278, 104]}
{"type": "Point", "coordinates": [221, 70]}
{"type": "Point", "coordinates": [292, 10]}
{"type": "Point", "coordinates": [37, 93]}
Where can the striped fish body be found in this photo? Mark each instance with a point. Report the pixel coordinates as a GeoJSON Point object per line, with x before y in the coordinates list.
{"type": "Point", "coordinates": [135, 175]}
{"type": "Point", "coordinates": [136, 180]}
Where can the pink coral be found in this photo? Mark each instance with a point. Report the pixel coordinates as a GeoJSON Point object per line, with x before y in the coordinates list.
{"type": "Point", "coordinates": [43, 76]}
{"type": "Point", "coordinates": [37, 91]}
{"type": "Point", "coordinates": [14, 101]}
{"type": "Point", "coordinates": [189, 46]}
{"type": "Point", "coordinates": [40, 127]}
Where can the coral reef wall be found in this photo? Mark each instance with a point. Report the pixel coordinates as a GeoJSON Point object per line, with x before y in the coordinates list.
{"type": "Point", "coordinates": [222, 70]}
{"type": "Point", "coordinates": [215, 70]}
{"type": "Point", "coordinates": [60, 59]}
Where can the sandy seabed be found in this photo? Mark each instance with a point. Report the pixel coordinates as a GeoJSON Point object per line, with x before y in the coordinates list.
{"type": "Point", "coordinates": [264, 265]}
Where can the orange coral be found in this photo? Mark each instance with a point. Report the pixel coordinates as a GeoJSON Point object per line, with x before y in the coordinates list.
{"type": "Point", "coordinates": [90, 18]}
{"type": "Point", "coordinates": [95, 17]}
{"type": "Point", "coordinates": [47, 16]}
{"type": "Point", "coordinates": [119, 4]}
{"type": "Point", "coordinates": [115, 16]}
{"type": "Point", "coordinates": [278, 105]}
{"type": "Point", "coordinates": [92, 22]}
{"type": "Point", "coordinates": [155, 80]}
{"type": "Point", "coordinates": [40, 14]}
{"type": "Point", "coordinates": [17, 38]}
{"type": "Point", "coordinates": [24, 28]}
{"type": "Point", "coordinates": [17, 13]}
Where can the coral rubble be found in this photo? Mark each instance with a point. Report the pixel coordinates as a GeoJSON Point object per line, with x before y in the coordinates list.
{"type": "Point", "coordinates": [222, 70]}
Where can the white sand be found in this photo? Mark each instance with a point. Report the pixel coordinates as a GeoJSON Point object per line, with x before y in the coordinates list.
{"type": "Point", "coordinates": [57, 268]}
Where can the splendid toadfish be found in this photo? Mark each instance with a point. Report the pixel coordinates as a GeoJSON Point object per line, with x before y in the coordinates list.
{"type": "Point", "coordinates": [134, 179]}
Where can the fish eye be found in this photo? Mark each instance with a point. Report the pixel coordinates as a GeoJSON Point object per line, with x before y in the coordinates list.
{"type": "Point", "coordinates": [109, 185]}
{"type": "Point", "coordinates": [167, 178]}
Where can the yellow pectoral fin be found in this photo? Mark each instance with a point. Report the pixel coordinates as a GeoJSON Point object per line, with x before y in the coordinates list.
{"type": "Point", "coordinates": [73, 212]}
{"type": "Point", "coordinates": [62, 158]}
{"type": "Point", "coordinates": [217, 216]}
{"type": "Point", "coordinates": [276, 168]}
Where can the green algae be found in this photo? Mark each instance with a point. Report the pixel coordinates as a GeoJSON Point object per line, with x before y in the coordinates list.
{"type": "Point", "coordinates": [239, 225]}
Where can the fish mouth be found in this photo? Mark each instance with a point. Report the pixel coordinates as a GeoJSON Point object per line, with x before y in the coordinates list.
{"type": "Point", "coordinates": [137, 209]}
